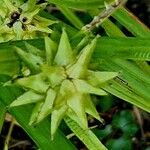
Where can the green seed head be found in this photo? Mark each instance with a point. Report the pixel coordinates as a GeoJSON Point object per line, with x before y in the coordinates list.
{"type": "Point", "coordinates": [21, 20]}
{"type": "Point", "coordinates": [62, 83]}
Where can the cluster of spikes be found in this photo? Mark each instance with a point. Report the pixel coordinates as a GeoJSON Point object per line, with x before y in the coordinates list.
{"type": "Point", "coordinates": [60, 82]}
{"type": "Point", "coordinates": [19, 20]}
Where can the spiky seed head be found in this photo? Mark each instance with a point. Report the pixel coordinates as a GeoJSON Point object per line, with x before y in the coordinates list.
{"type": "Point", "coordinates": [63, 85]}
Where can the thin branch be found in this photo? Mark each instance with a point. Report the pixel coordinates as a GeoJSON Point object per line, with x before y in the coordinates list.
{"type": "Point", "coordinates": [110, 8]}
{"type": "Point", "coordinates": [6, 144]}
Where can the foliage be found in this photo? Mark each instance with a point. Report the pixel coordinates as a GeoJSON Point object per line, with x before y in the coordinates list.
{"type": "Point", "coordinates": [57, 63]}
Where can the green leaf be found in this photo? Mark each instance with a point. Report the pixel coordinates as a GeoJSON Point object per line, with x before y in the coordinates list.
{"type": "Point", "coordinates": [132, 86]}
{"type": "Point", "coordinates": [9, 64]}
{"type": "Point", "coordinates": [71, 16]}
{"type": "Point", "coordinates": [128, 20]}
{"type": "Point", "coordinates": [86, 136]}
{"type": "Point", "coordinates": [3, 111]}
{"type": "Point", "coordinates": [30, 60]}
{"type": "Point", "coordinates": [123, 48]}
{"type": "Point", "coordinates": [81, 4]}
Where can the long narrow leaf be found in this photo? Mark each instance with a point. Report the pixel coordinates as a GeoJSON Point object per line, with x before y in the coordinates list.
{"type": "Point", "coordinates": [131, 22]}
{"type": "Point", "coordinates": [2, 114]}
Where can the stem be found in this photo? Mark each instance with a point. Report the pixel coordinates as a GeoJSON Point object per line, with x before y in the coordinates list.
{"type": "Point", "coordinates": [110, 9]}
{"type": "Point", "coordinates": [6, 144]}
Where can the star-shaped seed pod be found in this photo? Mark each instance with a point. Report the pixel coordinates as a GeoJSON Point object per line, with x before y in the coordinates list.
{"type": "Point", "coordinates": [19, 20]}
{"type": "Point", "coordinates": [61, 83]}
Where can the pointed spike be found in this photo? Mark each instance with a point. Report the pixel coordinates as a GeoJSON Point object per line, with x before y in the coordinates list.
{"type": "Point", "coordinates": [47, 106]}
{"type": "Point", "coordinates": [85, 87]}
{"type": "Point", "coordinates": [76, 104]}
{"type": "Point", "coordinates": [78, 70]}
{"type": "Point", "coordinates": [44, 22]}
{"type": "Point", "coordinates": [97, 77]}
{"type": "Point", "coordinates": [27, 98]}
{"type": "Point", "coordinates": [56, 117]}
{"type": "Point", "coordinates": [51, 48]}
{"type": "Point", "coordinates": [35, 112]}
{"type": "Point", "coordinates": [39, 28]}
{"type": "Point", "coordinates": [86, 53]}
{"type": "Point", "coordinates": [90, 108]}
{"type": "Point", "coordinates": [64, 55]}
{"type": "Point", "coordinates": [34, 82]}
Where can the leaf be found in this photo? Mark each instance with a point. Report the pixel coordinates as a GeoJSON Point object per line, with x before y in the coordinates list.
{"type": "Point", "coordinates": [128, 20]}
{"type": "Point", "coordinates": [133, 86]}
{"type": "Point", "coordinates": [81, 4]}
{"type": "Point", "coordinates": [71, 16]}
{"type": "Point", "coordinates": [3, 111]}
{"type": "Point", "coordinates": [30, 60]}
{"type": "Point", "coordinates": [9, 64]}
{"type": "Point", "coordinates": [86, 136]}
{"type": "Point", "coordinates": [33, 50]}
{"type": "Point", "coordinates": [123, 48]}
